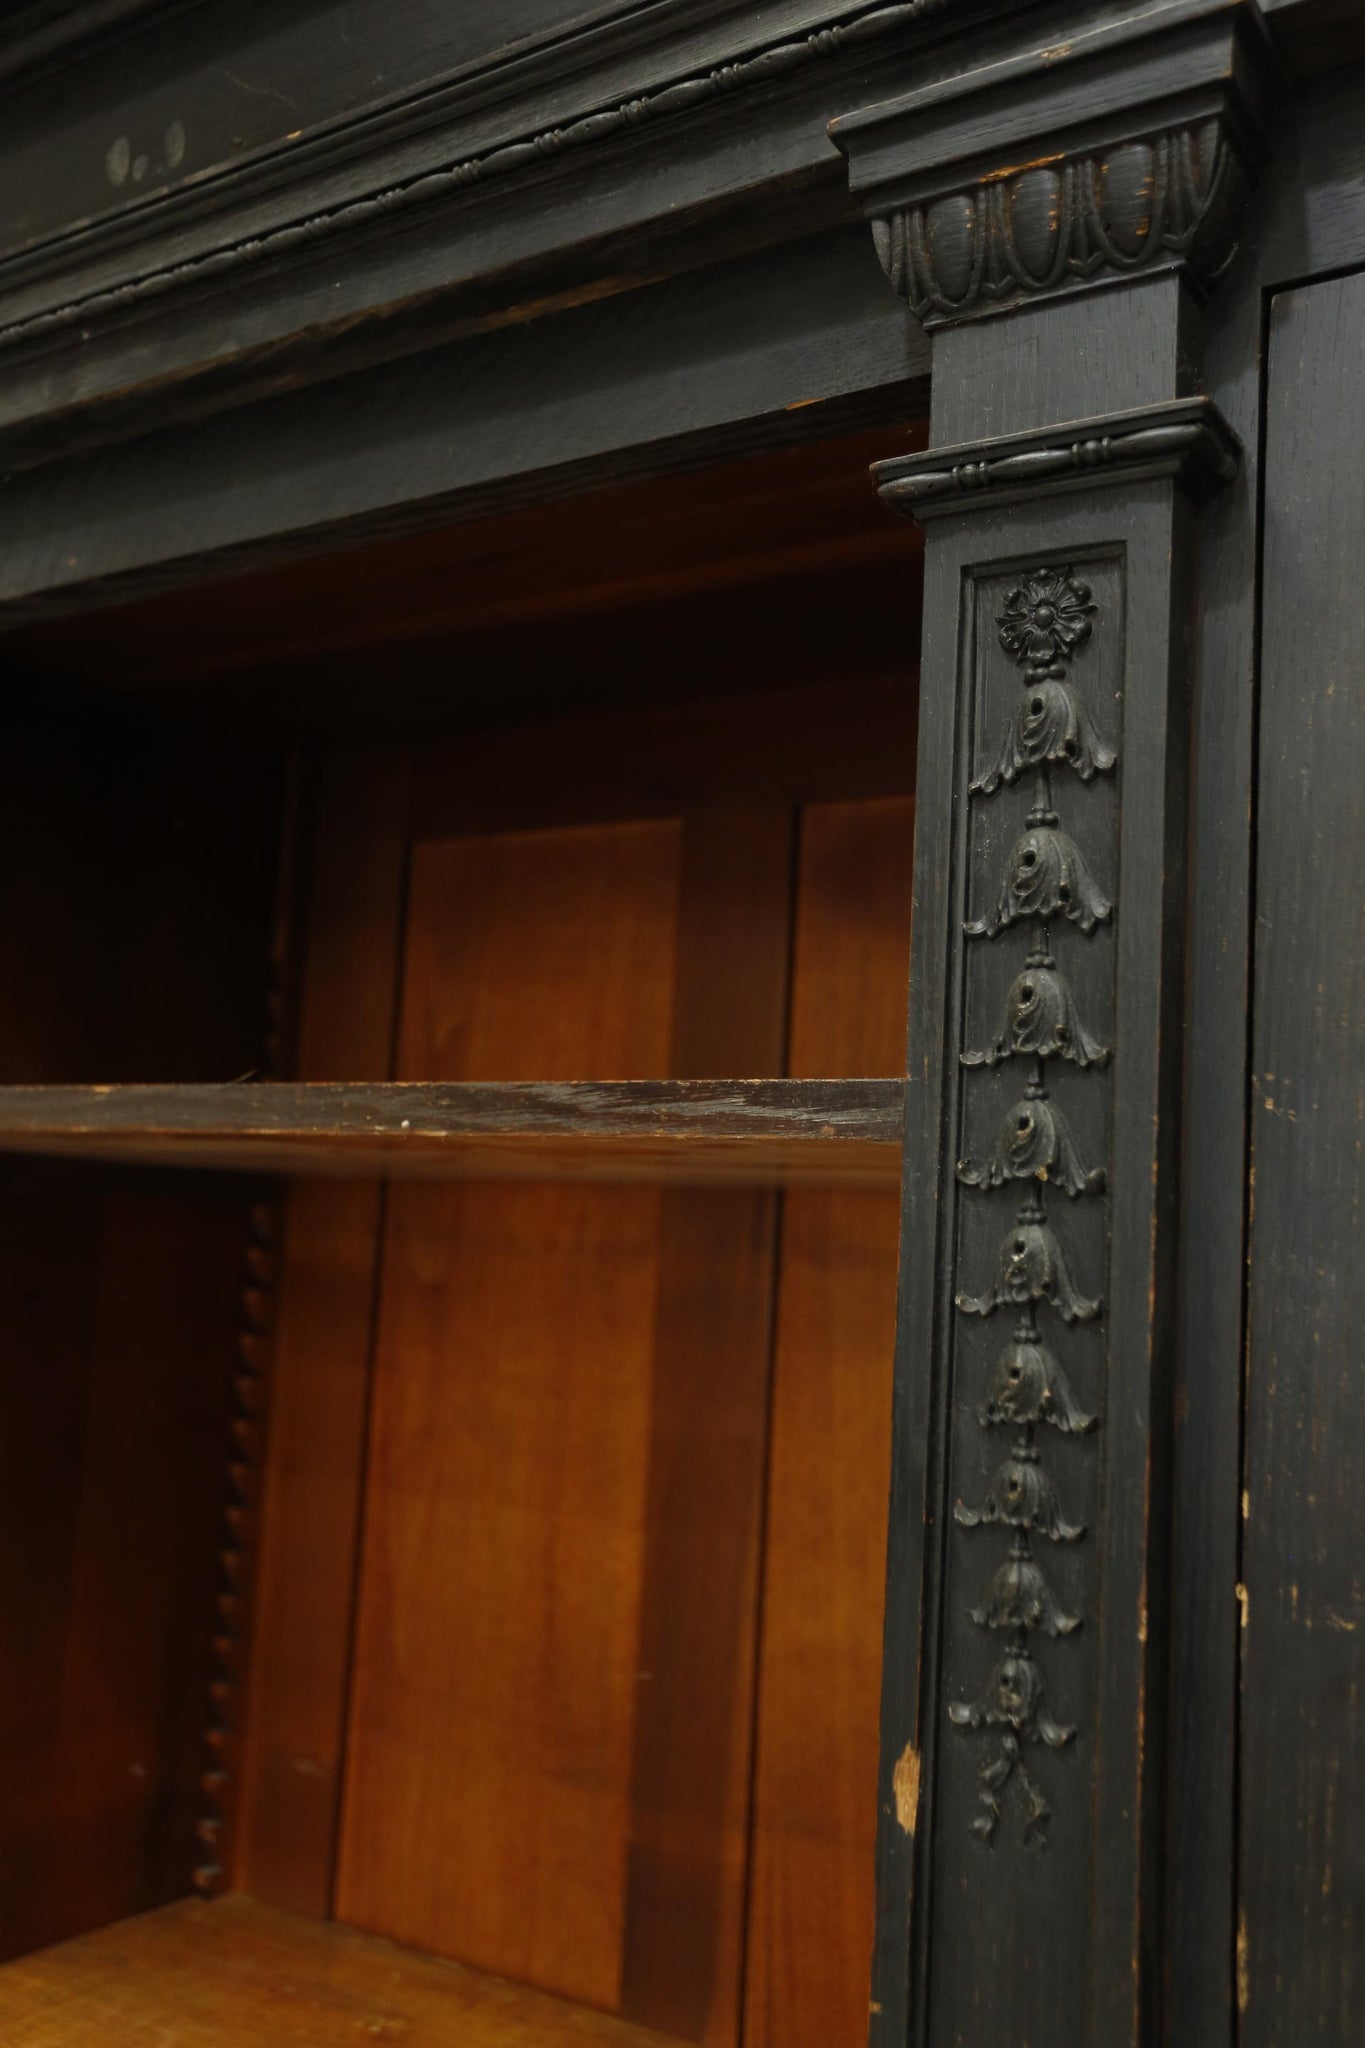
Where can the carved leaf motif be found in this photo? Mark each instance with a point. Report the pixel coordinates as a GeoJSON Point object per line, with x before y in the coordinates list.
{"type": "Point", "coordinates": [1040, 1018]}
{"type": "Point", "coordinates": [1046, 877]}
{"type": "Point", "coordinates": [1034, 1142]}
{"type": "Point", "coordinates": [1051, 727]}
{"type": "Point", "coordinates": [1030, 1266]}
{"type": "Point", "coordinates": [1019, 1596]}
{"type": "Point", "coordinates": [1027, 1386]}
{"type": "Point", "coordinates": [1023, 1497]}
{"type": "Point", "coordinates": [1012, 1698]}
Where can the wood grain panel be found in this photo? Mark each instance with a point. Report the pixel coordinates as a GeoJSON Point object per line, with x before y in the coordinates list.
{"type": "Point", "coordinates": [811, 1906]}
{"type": "Point", "coordinates": [488, 1769]}
{"type": "Point", "coordinates": [291, 1769]}
{"type": "Point", "coordinates": [690, 1780]}
{"type": "Point", "coordinates": [236, 1974]}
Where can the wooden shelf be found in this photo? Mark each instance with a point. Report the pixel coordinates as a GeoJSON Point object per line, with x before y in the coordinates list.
{"type": "Point", "coordinates": [834, 1133]}
{"type": "Point", "coordinates": [234, 1974]}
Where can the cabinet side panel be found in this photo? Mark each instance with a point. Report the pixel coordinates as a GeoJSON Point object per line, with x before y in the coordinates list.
{"type": "Point", "coordinates": [1303, 1735]}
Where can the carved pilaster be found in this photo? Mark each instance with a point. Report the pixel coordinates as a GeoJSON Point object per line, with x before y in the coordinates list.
{"type": "Point", "coordinates": [1059, 219]}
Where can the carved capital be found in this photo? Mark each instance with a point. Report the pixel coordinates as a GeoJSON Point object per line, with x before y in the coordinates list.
{"type": "Point", "coordinates": [1188, 439]}
{"type": "Point", "coordinates": [1129, 149]}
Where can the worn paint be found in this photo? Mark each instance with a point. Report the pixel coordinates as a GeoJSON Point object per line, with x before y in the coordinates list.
{"type": "Point", "coordinates": [1243, 1963]}
{"type": "Point", "coordinates": [1036, 163]}
{"type": "Point", "coordinates": [905, 1785]}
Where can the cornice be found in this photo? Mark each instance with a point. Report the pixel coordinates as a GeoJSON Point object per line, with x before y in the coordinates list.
{"type": "Point", "coordinates": [1187, 439]}
{"type": "Point", "coordinates": [1129, 148]}
{"type": "Point", "coordinates": [599, 123]}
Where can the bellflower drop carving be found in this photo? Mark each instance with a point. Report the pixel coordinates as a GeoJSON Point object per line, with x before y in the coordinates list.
{"type": "Point", "coordinates": [1023, 1497]}
{"type": "Point", "coordinates": [1041, 1018]}
{"type": "Point", "coordinates": [1051, 728]}
{"type": "Point", "coordinates": [1046, 877]}
{"type": "Point", "coordinates": [1031, 1266]}
{"type": "Point", "coordinates": [1046, 619]}
{"type": "Point", "coordinates": [1028, 1386]}
{"type": "Point", "coordinates": [1034, 1142]}
{"type": "Point", "coordinates": [1019, 1597]}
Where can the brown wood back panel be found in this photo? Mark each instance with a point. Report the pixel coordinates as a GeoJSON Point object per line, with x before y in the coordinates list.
{"type": "Point", "coordinates": [291, 1766]}
{"type": "Point", "coordinates": [689, 1803]}
{"type": "Point", "coordinates": [488, 1766]}
{"type": "Point", "coordinates": [548, 1733]}
{"type": "Point", "coordinates": [814, 1821]}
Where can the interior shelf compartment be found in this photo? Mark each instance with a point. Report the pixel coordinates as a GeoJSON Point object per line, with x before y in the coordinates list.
{"type": "Point", "coordinates": [816, 1132]}
{"type": "Point", "coordinates": [235, 1974]}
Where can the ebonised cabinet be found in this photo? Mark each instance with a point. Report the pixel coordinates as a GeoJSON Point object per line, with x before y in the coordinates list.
{"type": "Point", "coordinates": [547, 557]}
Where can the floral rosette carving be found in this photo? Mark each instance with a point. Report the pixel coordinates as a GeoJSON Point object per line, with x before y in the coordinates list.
{"type": "Point", "coordinates": [1045, 621]}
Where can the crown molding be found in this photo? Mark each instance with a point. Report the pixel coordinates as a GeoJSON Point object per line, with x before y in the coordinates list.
{"type": "Point", "coordinates": [595, 111]}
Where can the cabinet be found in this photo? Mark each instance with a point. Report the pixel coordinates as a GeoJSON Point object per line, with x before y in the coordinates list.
{"type": "Point", "coordinates": [559, 1483]}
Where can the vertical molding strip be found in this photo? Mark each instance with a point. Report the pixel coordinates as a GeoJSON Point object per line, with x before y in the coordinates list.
{"type": "Point", "coordinates": [250, 1397]}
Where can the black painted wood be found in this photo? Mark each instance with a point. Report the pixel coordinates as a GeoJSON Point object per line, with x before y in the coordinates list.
{"type": "Point", "coordinates": [1303, 1615]}
{"type": "Point", "coordinates": [680, 133]}
{"type": "Point", "coordinates": [1073, 1926]}
{"type": "Point", "coordinates": [1016, 1902]}
{"type": "Point", "coordinates": [800, 342]}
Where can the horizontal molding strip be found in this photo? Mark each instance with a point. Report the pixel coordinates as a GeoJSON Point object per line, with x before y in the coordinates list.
{"type": "Point", "coordinates": [596, 124]}
{"type": "Point", "coordinates": [1188, 439]}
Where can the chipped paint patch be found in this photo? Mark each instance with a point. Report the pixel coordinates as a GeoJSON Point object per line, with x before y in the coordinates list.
{"type": "Point", "coordinates": [905, 1785]}
{"type": "Point", "coordinates": [1243, 1963]}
